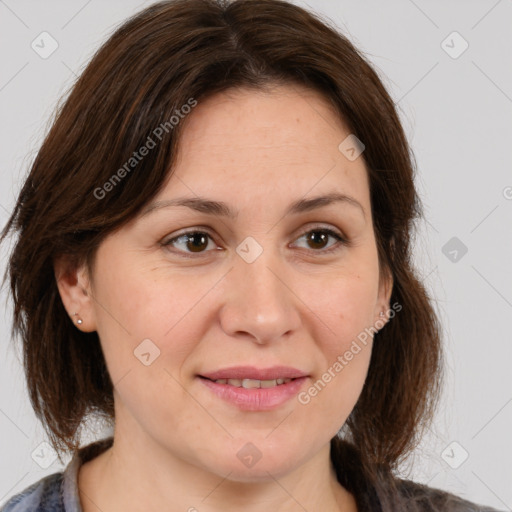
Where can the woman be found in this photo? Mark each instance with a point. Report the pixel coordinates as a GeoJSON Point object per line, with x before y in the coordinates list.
{"type": "Point", "coordinates": [213, 251]}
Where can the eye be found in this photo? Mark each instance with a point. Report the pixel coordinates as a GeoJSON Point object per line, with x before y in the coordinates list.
{"type": "Point", "coordinates": [191, 241]}
{"type": "Point", "coordinates": [197, 242]}
{"type": "Point", "coordinates": [318, 239]}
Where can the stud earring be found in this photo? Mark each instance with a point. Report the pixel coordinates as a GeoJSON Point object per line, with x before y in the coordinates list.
{"type": "Point", "coordinates": [381, 313]}
{"type": "Point", "coordinates": [79, 321]}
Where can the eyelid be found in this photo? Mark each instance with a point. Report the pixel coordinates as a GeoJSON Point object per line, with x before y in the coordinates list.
{"type": "Point", "coordinates": [322, 227]}
{"type": "Point", "coordinates": [189, 231]}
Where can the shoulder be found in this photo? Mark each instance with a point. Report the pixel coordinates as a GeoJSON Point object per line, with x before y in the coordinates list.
{"type": "Point", "coordinates": [429, 499]}
{"type": "Point", "coordinates": [41, 496]}
{"type": "Point", "coordinates": [57, 492]}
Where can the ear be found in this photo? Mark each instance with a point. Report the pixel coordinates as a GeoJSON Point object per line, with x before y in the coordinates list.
{"type": "Point", "coordinates": [75, 291]}
{"type": "Point", "coordinates": [384, 298]}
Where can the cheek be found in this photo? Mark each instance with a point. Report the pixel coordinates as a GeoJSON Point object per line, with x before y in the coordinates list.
{"type": "Point", "coordinates": [344, 312]}
{"type": "Point", "coordinates": [149, 315]}
{"type": "Point", "coordinates": [146, 328]}
{"type": "Point", "coordinates": [141, 301]}
{"type": "Point", "coordinates": [346, 349]}
{"type": "Point", "coordinates": [345, 308]}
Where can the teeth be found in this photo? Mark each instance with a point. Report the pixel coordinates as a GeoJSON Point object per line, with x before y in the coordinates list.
{"type": "Point", "coordinates": [252, 383]}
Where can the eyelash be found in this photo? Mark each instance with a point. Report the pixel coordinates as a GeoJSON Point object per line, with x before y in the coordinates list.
{"type": "Point", "coordinates": [335, 247]}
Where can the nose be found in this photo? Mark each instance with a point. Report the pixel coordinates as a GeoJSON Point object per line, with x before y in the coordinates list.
{"type": "Point", "coordinates": [259, 301]}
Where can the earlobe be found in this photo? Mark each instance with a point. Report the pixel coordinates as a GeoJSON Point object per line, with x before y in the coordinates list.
{"type": "Point", "coordinates": [74, 289]}
{"type": "Point", "coordinates": [78, 320]}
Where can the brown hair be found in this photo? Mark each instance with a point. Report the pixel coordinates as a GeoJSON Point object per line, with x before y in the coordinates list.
{"type": "Point", "coordinates": [167, 56]}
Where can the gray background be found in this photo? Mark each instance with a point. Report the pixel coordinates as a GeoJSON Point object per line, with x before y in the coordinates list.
{"type": "Point", "coordinates": [456, 110]}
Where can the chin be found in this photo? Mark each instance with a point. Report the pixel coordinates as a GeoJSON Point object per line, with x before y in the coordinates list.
{"type": "Point", "coordinates": [251, 464]}
{"type": "Point", "coordinates": [258, 473]}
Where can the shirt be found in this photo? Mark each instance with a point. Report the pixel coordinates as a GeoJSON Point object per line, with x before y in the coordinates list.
{"type": "Point", "coordinates": [59, 492]}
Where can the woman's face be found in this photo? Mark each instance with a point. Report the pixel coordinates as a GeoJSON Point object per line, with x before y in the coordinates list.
{"type": "Point", "coordinates": [268, 286]}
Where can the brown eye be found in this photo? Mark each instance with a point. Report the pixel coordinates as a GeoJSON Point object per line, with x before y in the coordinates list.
{"type": "Point", "coordinates": [193, 241]}
{"type": "Point", "coordinates": [197, 242]}
{"type": "Point", "coordinates": [318, 240]}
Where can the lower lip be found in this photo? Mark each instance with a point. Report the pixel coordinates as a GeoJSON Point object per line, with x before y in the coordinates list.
{"type": "Point", "coordinates": [256, 399]}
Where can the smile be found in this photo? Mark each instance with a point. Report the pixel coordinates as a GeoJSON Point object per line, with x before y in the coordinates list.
{"type": "Point", "coordinates": [252, 383]}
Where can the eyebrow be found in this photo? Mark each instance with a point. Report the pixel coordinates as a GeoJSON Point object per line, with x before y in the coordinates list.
{"type": "Point", "coordinates": [220, 209]}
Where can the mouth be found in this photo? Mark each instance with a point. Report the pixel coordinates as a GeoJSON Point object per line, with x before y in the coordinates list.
{"type": "Point", "coordinates": [251, 373]}
{"type": "Point", "coordinates": [253, 389]}
{"type": "Point", "coordinates": [251, 383]}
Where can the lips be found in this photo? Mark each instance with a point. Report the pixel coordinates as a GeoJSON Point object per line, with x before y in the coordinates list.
{"type": "Point", "coordinates": [255, 389]}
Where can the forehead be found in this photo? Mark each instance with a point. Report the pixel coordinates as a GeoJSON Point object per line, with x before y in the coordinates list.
{"type": "Point", "coordinates": [275, 141]}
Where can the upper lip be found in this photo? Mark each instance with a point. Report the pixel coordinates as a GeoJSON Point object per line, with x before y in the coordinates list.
{"type": "Point", "coordinates": [251, 372]}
